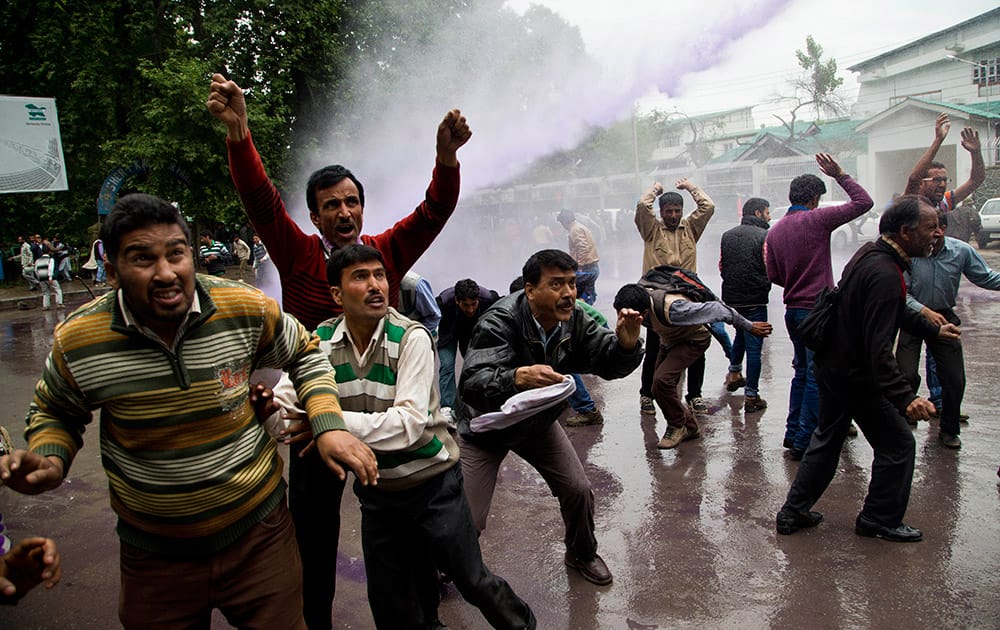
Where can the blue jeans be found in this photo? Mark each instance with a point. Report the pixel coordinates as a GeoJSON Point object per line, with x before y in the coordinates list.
{"type": "Point", "coordinates": [586, 281]}
{"type": "Point", "coordinates": [803, 399]}
{"type": "Point", "coordinates": [718, 330]}
{"type": "Point", "coordinates": [446, 376]}
{"type": "Point", "coordinates": [580, 400]}
{"type": "Point", "coordinates": [933, 382]}
{"type": "Point", "coordinates": [744, 342]}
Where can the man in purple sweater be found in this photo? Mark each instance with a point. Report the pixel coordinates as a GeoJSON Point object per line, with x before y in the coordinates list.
{"type": "Point", "coordinates": [797, 257]}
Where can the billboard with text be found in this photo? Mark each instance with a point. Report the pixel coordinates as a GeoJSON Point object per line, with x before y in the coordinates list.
{"type": "Point", "coordinates": [31, 156]}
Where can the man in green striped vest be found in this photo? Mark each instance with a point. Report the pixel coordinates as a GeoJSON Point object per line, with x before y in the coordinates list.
{"type": "Point", "coordinates": [417, 519]}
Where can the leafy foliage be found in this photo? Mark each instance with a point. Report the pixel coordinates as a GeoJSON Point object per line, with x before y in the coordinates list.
{"type": "Point", "coordinates": [816, 88]}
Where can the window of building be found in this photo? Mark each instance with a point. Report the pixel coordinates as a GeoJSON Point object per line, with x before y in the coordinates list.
{"type": "Point", "coordinates": [987, 72]}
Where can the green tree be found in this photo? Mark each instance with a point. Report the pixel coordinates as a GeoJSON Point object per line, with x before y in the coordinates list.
{"type": "Point", "coordinates": [815, 88]}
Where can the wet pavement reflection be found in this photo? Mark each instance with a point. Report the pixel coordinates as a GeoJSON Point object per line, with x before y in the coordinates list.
{"type": "Point", "coordinates": [688, 533]}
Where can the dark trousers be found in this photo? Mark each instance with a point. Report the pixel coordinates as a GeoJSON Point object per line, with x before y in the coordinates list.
{"type": "Point", "coordinates": [407, 535]}
{"type": "Point", "coordinates": [551, 454]}
{"type": "Point", "coordinates": [256, 582]}
{"type": "Point", "coordinates": [950, 364]}
{"type": "Point", "coordinates": [314, 494]}
{"type": "Point", "coordinates": [695, 374]}
{"type": "Point", "coordinates": [885, 429]}
{"type": "Point", "coordinates": [670, 365]}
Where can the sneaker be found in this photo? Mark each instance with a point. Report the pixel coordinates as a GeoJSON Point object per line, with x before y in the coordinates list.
{"type": "Point", "coordinates": [963, 418]}
{"type": "Point", "coordinates": [950, 441]}
{"type": "Point", "coordinates": [754, 403]}
{"type": "Point", "coordinates": [585, 418]}
{"type": "Point", "coordinates": [693, 434]}
{"type": "Point", "coordinates": [790, 521]}
{"type": "Point", "coordinates": [698, 405]}
{"type": "Point", "coordinates": [646, 406]}
{"type": "Point", "coordinates": [734, 381]}
{"type": "Point", "coordinates": [673, 437]}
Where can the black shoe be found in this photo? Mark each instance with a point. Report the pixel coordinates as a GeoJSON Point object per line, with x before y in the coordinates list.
{"type": "Point", "coordinates": [795, 454]}
{"type": "Point", "coordinates": [788, 443]}
{"type": "Point", "coordinates": [950, 441]}
{"type": "Point", "coordinates": [593, 570]}
{"type": "Point", "coordinates": [790, 521]}
{"type": "Point", "coordinates": [900, 533]}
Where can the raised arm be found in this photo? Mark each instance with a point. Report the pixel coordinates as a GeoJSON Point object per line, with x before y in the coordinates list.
{"type": "Point", "coordinates": [977, 175]}
{"type": "Point", "coordinates": [226, 102]}
{"type": "Point", "coordinates": [645, 219]}
{"type": "Point", "coordinates": [941, 127]}
{"type": "Point", "coordinates": [704, 207]}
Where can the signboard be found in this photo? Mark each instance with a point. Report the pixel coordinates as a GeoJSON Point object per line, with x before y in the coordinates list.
{"type": "Point", "coordinates": [31, 156]}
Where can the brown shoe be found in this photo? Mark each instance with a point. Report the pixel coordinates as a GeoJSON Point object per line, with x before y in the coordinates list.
{"type": "Point", "coordinates": [673, 437]}
{"type": "Point", "coordinates": [754, 403]}
{"type": "Point", "coordinates": [734, 381]}
{"type": "Point", "coordinates": [585, 418]}
{"type": "Point", "coordinates": [593, 570]}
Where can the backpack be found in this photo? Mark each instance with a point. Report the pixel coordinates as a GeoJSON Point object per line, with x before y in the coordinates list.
{"type": "Point", "coordinates": [42, 267]}
{"type": "Point", "coordinates": [665, 279]}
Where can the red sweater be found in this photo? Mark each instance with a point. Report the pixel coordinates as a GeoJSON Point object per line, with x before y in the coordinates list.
{"type": "Point", "coordinates": [301, 258]}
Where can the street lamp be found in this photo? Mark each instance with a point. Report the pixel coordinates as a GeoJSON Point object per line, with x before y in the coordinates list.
{"type": "Point", "coordinates": [984, 68]}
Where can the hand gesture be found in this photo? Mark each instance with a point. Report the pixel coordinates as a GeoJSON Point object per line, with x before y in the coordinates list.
{"type": "Point", "coordinates": [226, 102]}
{"type": "Point", "coordinates": [760, 329]}
{"type": "Point", "coordinates": [340, 447]}
{"type": "Point", "coordinates": [628, 328]}
{"type": "Point", "coordinates": [262, 401]}
{"type": "Point", "coordinates": [942, 126]}
{"type": "Point", "coordinates": [920, 409]}
{"type": "Point", "coordinates": [828, 165]}
{"type": "Point", "coordinates": [31, 562]}
{"type": "Point", "coordinates": [535, 376]}
{"type": "Point", "coordinates": [656, 189]}
{"type": "Point", "coordinates": [684, 184]}
{"type": "Point", "coordinates": [30, 473]}
{"type": "Point", "coordinates": [299, 430]}
{"type": "Point", "coordinates": [949, 331]}
{"type": "Point", "coordinates": [970, 140]}
{"type": "Point", "coordinates": [933, 316]}
{"type": "Point", "coordinates": [452, 133]}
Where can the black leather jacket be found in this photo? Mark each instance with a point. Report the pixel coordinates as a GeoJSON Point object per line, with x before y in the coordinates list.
{"type": "Point", "coordinates": [506, 338]}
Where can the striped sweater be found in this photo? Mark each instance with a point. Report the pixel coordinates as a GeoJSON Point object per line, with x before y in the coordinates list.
{"type": "Point", "coordinates": [189, 467]}
{"type": "Point", "coordinates": [408, 432]}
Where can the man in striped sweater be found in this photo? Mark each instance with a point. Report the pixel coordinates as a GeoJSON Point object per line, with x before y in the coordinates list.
{"type": "Point", "coordinates": [195, 480]}
{"type": "Point", "coordinates": [417, 520]}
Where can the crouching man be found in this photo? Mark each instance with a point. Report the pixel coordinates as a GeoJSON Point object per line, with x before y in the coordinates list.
{"type": "Point", "coordinates": [528, 344]}
{"type": "Point", "coordinates": [679, 319]}
{"type": "Point", "coordinates": [416, 519]}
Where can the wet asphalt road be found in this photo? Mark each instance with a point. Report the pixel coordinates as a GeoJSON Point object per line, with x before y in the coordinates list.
{"type": "Point", "coordinates": [689, 534]}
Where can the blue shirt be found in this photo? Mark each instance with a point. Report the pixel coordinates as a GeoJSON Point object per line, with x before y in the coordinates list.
{"type": "Point", "coordinates": [933, 281]}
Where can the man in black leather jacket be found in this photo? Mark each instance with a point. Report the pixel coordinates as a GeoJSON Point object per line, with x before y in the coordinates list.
{"type": "Point", "coordinates": [533, 340]}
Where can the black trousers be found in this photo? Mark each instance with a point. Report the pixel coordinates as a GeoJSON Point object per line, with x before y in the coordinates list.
{"type": "Point", "coordinates": [884, 428]}
{"type": "Point", "coordinates": [314, 494]}
{"type": "Point", "coordinates": [407, 535]}
{"type": "Point", "coordinates": [950, 362]}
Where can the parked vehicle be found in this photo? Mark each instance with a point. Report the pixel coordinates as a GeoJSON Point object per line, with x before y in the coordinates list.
{"type": "Point", "coordinates": [848, 235]}
{"type": "Point", "coordinates": [989, 217]}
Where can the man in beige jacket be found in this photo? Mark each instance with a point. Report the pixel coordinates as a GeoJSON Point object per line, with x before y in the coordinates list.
{"type": "Point", "coordinates": [671, 239]}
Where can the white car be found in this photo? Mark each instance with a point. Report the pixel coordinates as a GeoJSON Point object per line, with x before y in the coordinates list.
{"type": "Point", "coordinates": [989, 215]}
{"type": "Point", "coordinates": [848, 235]}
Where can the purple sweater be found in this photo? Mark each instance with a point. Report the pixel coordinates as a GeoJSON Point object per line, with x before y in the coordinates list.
{"type": "Point", "coordinates": [797, 248]}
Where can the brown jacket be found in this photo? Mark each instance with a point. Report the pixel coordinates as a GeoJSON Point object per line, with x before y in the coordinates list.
{"type": "Point", "coordinates": [582, 247]}
{"type": "Point", "coordinates": [679, 247]}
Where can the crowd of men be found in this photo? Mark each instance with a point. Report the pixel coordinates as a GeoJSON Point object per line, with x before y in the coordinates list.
{"type": "Point", "coordinates": [369, 358]}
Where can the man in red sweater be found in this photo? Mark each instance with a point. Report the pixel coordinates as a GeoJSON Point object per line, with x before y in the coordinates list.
{"type": "Point", "coordinates": [336, 201]}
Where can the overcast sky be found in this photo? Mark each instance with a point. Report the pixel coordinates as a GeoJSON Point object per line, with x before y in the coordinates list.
{"type": "Point", "coordinates": [746, 67]}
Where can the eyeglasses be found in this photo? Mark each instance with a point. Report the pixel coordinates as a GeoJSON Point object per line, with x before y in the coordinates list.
{"type": "Point", "coordinates": [937, 180]}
